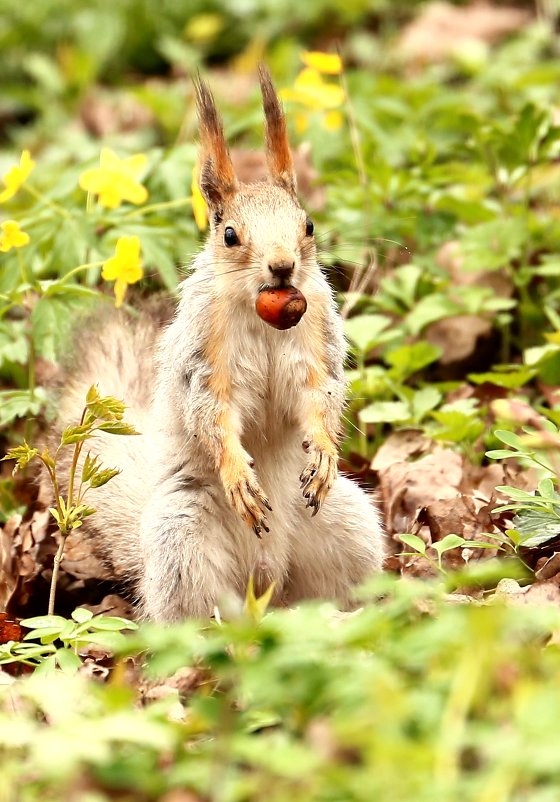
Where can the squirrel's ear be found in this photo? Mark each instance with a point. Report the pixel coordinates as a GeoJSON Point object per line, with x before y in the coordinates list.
{"type": "Point", "coordinates": [278, 154]}
{"type": "Point", "coordinates": [217, 176]}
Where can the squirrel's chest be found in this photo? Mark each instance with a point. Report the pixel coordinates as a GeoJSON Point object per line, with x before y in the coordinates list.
{"type": "Point", "coordinates": [270, 376]}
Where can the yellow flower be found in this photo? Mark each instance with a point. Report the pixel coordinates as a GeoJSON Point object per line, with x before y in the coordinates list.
{"type": "Point", "coordinates": [333, 120]}
{"type": "Point", "coordinates": [204, 27]}
{"type": "Point", "coordinates": [12, 236]}
{"type": "Point", "coordinates": [17, 176]}
{"type": "Point", "coordinates": [125, 267]}
{"type": "Point", "coordinates": [115, 179]}
{"type": "Point", "coordinates": [312, 91]}
{"type": "Point", "coordinates": [328, 63]}
{"type": "Point", "coordinates": [199, 207]}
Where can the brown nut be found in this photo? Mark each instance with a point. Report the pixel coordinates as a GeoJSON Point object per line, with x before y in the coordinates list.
{"type": "Point", "coordinates": [281, 307]}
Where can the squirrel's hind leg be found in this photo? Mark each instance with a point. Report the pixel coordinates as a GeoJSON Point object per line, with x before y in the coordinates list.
{"type": "Point", "coordinates": [337, 549]}
{"type": "Point", "coordinates": [188, 568]}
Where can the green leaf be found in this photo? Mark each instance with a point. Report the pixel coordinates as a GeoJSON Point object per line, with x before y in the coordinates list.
{"type": "Point", "coordinates": [159, 258]}
{"type": "Point", "coordinates": [44, 621]}
{"type": "Point", "coordinates": [255, 607]}
{"type": "Point", "coordinates": [509, 438]}
{"type": "Point", "coordinates": [501, 453]}
{"type": "Point", "coordinates": [81, 615]}
{"type": "Point", "coordinates": [111, 623]}
{"type": "Point", "coordinates": [516, 494]}
{"type": "Point", "coordinates": [68, 661]}
{"type": "Point", "coordinates": [364, 330]}
{"type": "Point", "coordinates": [457, 427]}
{"type": "Point", "coordinates": [492, 245]}
{"type": "Point", "coordinates": [423, 401]}
{"type": "Point", "coordinates": [385, 412]}
{"type": "Point", "coordinates": [92, 394]}
{"type": "Point", "coordinates": [409, 359]}
{"type": "Point", "coordinates": [414, 542]}
{"type": "Point", "coordinates": [429, 309]}
{"type": "Point", "coordinates": [20, 404]}
{"type": "Point", "coordinates": [546, 489]}
{"type": "Point", "coordinates": [110, 640]}
{"type": "Point", "coordinates": [52, 319]}
{"type": "Point", "coordinates": [102, 477]}
{"type": "Point", "coordinates": [450, 542]}
{"type": "Point", "coordinates": [90, 466]}
{"type": "Point", "coordinates": [117, 427]}
{"type": "Point", "coordinates": [75, 434]}
{"type": "Point", "coordinates": [511, 381]}
{"type": "Point", "coordinates": [22, 454]}
{"type": "Point", "coordinates": [536, 527]}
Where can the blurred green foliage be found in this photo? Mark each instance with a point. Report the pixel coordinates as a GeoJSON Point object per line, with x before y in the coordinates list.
{"type": "Point", "coordinates": [409, 699]}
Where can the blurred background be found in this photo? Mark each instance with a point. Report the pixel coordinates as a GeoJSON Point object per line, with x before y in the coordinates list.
{"type": "Point", "coordinates": [427, 141]}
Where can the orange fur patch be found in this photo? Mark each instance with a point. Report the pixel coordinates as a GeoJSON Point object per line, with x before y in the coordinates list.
{"type": "Point", "coordinates": [278, 154]}
{"type": "Point", "coordinates": [217, 176]}
{"type": "Point", "coordinates": [219, 381]}
{"type": "Point", "coordinates": [317, 374]}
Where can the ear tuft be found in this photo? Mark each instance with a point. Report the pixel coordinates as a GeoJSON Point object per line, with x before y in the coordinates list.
{"type": "Point", "coordinates": [278, 154]}
{"type": "Point", "coordinates": [217, 176]}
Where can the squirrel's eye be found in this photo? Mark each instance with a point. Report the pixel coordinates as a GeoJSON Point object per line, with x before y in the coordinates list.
{"type": "Point", "coordinates": [230, 237]}
{"type": "Point", "coordinates": [309, 227]}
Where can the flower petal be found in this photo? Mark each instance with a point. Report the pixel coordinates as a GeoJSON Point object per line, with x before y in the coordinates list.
{"type": "Point", "coordinates": [328, 63]}
{"type": "Point", "coordinates": [119, 289]}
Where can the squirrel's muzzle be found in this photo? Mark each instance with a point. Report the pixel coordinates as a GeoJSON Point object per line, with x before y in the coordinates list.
{"type": "Point", "coordinates": [282, 268]}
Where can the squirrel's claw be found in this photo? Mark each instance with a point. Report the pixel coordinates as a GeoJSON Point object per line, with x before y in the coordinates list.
{"type": "Point", "coordinates": [247, 499]}
{"type": "Point", "coordinates": [318, 477]}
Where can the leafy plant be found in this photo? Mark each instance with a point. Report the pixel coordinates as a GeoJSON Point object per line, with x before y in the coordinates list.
{"type": "Point", "coordinates": [41, 649]}
{"type": "Point", "coordinates": [99, 415]}
{"type": "Point", "coordinates": [305, 704]}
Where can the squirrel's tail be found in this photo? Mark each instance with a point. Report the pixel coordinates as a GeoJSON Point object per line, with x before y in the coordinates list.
{"type": "Point", "coordinates": [116, 353]}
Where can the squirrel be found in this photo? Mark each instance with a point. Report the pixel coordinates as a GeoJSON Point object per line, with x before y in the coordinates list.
{"type": "Point", "coordinates": [235, 472]}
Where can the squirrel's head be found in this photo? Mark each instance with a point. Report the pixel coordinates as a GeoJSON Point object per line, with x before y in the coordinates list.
{"type": "Point", "coordinates": [259, 232]}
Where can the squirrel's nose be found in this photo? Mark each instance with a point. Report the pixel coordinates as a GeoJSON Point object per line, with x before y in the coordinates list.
{"type": "Point", "coordinates": [282, 268]}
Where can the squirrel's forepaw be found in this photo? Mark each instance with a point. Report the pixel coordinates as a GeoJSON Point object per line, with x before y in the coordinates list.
{"type": "Point", "coordinates": [318, 476]}
{"type": "Point", "coordinates": [249, 501]}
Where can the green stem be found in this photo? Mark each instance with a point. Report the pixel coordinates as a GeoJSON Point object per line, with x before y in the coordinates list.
{"type": "Point", "coordinates": [156, 207]}
{"type": "Point", "coordinates": [48, 202]}
{"type": "Point", "coordinates": [60, 550]}
{"type": "Point", "coordinates": [56, 569]}
{"type": "Point", "coordinates": [22, 270]}
{"type": "Point", "coordinates": [77, 452]}
{"type": "Point", "coordinates": [85, 266]}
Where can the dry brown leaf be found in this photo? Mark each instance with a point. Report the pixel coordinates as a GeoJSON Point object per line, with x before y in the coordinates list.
{"type": "Point", "coordinates": [547, 567]}
{"type": "Point", "coordinates": [407, 487]}
{"type": "Point", "coordinates": [451, 516]}
{"type": "Point", "coordinates": [398, 447]}
{"type": "Point", "coordinates": [441, 28]}
{"type": "Point", "coordinates": [80, 561]}
{"type": "Point", "coordinates": [112, 605]}
{"type": "Point", "coordinates": [8, 572]}
{"type": "Point", "coordinates": [539, 593]}
{"type": "Point", "coordinates": [457, 336]}
{"type": "Point", "coordinates": [103, 114]}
